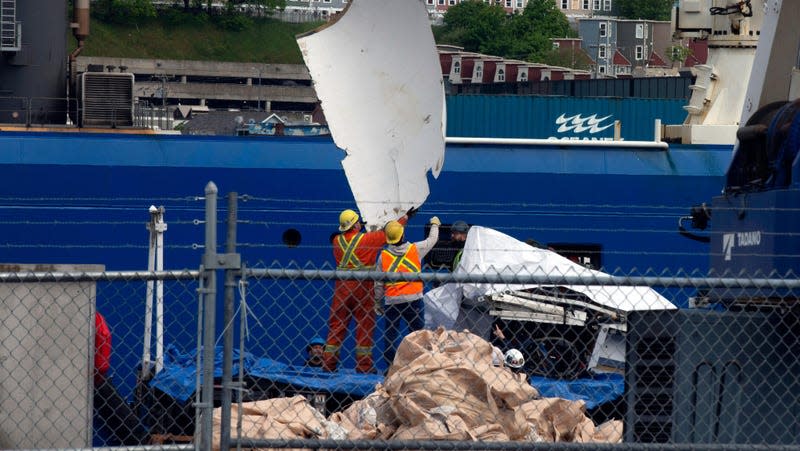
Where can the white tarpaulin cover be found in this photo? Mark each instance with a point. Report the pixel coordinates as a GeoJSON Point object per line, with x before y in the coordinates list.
{"type": "Point", "coordinates": [488, 251]}
{"type": "Point", "coordinates": [376, 70]}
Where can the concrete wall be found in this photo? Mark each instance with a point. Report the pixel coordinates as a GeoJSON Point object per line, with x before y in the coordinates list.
{"type": "Point", "coordinates": [199, 68]}
{"type": "Point", "coordinates": [46, 360]}
{"type": "Point", "coordinates": [189, 81]}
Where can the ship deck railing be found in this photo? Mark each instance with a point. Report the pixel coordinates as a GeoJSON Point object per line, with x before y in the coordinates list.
{"type": "Point", "coordinates": [62, 112]}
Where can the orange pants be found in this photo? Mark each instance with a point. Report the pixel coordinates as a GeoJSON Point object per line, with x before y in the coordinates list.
{"type": "Point", "coordinates": [351, 299]}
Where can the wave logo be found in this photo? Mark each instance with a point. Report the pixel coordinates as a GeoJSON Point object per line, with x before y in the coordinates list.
{"type": "Point", "coordinates": [579, 124]}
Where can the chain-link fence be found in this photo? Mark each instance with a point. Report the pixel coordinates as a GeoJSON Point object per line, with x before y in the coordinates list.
{"type": "Point", "coordinates": [514, 346]}
{"type": "Point", "coordinates": [74, 369]}
{"type": "Point", "coordinates": [558, 355]}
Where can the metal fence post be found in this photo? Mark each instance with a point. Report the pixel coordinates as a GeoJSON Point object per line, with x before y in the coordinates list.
{"type": "Point", "coordinates": [211, 193]}
{"type": "Point", "coordinates": [227, 351]}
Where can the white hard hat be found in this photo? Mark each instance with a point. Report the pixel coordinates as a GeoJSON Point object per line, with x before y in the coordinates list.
{"type": "Point", "coordinates": [497, 356]}
{"type": "Point", "coordinates": [514, 359]}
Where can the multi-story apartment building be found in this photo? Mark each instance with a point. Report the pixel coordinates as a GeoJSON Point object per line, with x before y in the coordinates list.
{"type": "Point", "coordinates": [437, 8]}
{"type": "Point", "coordinates": [626, 47]}
{"type": "Point", "coordinates": [315, 7]}
{"type": "Point", "coordinates": [585, 8]}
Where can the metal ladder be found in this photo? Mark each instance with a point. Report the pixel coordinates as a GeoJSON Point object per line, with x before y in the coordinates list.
{"type": "Point", "coordinates": [10, 30]}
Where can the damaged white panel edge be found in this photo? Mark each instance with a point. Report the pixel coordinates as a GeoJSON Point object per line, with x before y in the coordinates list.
{"type": "Point", "coordinates": [376, 72]}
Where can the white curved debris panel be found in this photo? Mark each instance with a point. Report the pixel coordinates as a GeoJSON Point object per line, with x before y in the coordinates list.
{"type": "Point", "coordinates": [376, 72]}
{"type": "Point", "coordinates": [489, 251]}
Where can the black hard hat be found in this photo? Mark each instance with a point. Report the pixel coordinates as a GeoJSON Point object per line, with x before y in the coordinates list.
{"type": "Point", "coordinates": [460, 226]}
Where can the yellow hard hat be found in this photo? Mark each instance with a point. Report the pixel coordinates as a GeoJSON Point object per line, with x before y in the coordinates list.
{"type": "Point", "coordinates": [346, 220]}
{"type": "Point", "coordinates": [394, 232]}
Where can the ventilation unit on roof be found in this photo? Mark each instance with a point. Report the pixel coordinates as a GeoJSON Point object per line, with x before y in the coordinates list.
{"type": "Point", "coordinates": [106, 99]}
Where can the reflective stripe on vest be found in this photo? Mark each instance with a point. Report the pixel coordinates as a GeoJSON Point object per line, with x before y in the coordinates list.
{"type": "Point", "coordinates": [408, 262]}
{"type": "Point", "coordinates": [350, 260]}
{"type": "Point", "coordinates": [363, 350]}
{"type": "Point", "coordinates": [457, 259]}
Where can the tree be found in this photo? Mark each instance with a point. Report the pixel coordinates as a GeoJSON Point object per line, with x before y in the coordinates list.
{"type": "Point", "coordinates": [124, 11]}
{"type": "Point", "coordinates": [678, 53]}
{"type": "Point", "coordinates": [480, 27]}
{"type": "Point", "coordinates": [473, 25]}
{"type": "Point", "coordinates": [540, 21]}
{"type": "Point", "coordinates": [546, 19]}
{"type": "Point", "coordinates": [572, 57]}
{"type": "Point", "coordinates": [645, 9]}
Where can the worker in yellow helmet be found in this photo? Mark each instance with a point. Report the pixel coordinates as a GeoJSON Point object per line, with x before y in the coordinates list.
{"type": "Point", "coordinates": [402, 300]}
{"type": "Point", "coordinates": [354, 299]}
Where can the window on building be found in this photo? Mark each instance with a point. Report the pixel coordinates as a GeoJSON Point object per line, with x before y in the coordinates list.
{"type": "Point", "coordinates": [501, 75]}
{"type": "Point", "coordinates": [601, 69]}
{"type": "Point", "coordinates": [556, 45]}
{"type": "Point", "coordinates": [603, 29]}
{"type": "Point", "coordinates": [596, 5]}
{"type": "Point", "coordinates": [478, 71]}
{"type": "Point", "coordinates": [430, 2]}
{"type": "Point", "coordinates": [519, 4]}
{"type": "Point", "coordinates": [452, 2]}
{"type": "Point", "coordinates": [606, 5]}
{"type": "Point", "coordinates": [508, 3]}
{"type": "Point", "coordinates": [523, 75]}
{"type": "Point", "coordinates": [457, 67]}
{"type": "Point", "coordinates": [639, 52]}
{"type": "Point", "coordinates": [601, 52]}
{"type": "Point", "coordinates": [639, 31]}
{"type": "Point", "coordinates": [564, 4]}
{"type": "Point", "coordinates": [585, 4]}
{"type": "Point", "coordinates": [441, 2]}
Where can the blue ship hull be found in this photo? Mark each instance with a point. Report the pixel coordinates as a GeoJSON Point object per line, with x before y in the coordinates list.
{"type": "Point", "coordinates": [84, 198]}
{"type": "Point", "coordinates": [71, 198]}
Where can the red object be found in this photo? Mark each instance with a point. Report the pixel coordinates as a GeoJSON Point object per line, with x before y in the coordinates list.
{"type": "Point", "coordinates": [102, 346]}
{"type": "Point", "coordinates": [351, 299]}
{"type": "Point", "coordinates": [354, 299]}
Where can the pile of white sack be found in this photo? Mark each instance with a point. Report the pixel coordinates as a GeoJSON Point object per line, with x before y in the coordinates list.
{"type": "Point", "coordinates": [441, 386]}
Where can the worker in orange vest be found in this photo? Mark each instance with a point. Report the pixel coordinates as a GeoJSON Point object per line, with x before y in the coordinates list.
{"type": "Point", "coordinates": [403, 300]}
{"type": "Point", "coordinates": [353, 251]}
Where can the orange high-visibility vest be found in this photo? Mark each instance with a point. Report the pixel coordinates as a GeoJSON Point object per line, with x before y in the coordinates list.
{"type": "Point", "coordinates": [350, 260]}
{"type": "Point", "coordinates": [408, 262]}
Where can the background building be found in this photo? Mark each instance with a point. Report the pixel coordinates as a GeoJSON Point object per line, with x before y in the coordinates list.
{"type": "Point", "coordinates": [627, 47]}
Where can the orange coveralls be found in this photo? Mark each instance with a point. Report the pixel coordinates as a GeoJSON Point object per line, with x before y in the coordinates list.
{"type": "Point", "coordinates": [354, 250]}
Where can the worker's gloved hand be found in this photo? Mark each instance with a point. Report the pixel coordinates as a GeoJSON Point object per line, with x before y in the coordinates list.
{"type": "Point", "coordinates": [411, 212]}
{"type": "Point", "coordinates": [378, 308]}
{"type": "Point", "coordinates": [435, 221]}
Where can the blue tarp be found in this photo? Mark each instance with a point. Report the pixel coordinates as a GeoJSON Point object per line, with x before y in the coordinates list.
{"type": "Point", "coordinates": [344, 380]}
{"type": "Point", "coordinates": [178, 379]}
{"type": "Point", "coordinates": [600, 388]}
